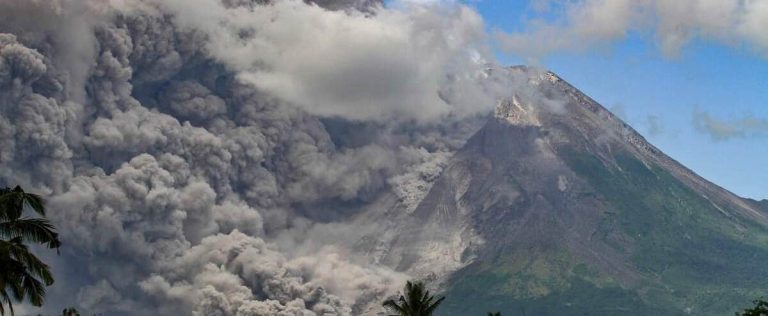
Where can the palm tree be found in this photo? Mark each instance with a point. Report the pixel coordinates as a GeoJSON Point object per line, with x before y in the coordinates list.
{"type": "Point", "coordinates": [71, 311]}
{"type": "Point", "coordinates": [416, 301]}
{"type": "Point", "coordinates": [23, 275]}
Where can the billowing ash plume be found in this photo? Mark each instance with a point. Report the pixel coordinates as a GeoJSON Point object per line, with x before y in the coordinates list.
{"type": "Point", "coordinates": [178, 141]}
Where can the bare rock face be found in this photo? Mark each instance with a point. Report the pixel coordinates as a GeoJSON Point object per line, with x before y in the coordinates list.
{"type": "Point", "coordinates": [557, 207]}
{"type": "Point", "coordinates": [516, 112]}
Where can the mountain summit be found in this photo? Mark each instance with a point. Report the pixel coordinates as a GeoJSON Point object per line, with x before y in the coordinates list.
{"type": "Point", "coordinates": [557, 207]}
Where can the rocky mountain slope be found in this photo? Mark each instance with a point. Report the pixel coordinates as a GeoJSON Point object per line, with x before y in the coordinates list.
{"type": "Point", "coordinates": [557, 207]}
{"type": "Point", "coordinates": [259, 157]}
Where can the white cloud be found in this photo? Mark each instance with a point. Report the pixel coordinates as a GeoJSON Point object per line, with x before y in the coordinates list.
{"type": "Point", "coordinates": [590, 23]}
{"type": "Point", "coordinates": [720, 129]}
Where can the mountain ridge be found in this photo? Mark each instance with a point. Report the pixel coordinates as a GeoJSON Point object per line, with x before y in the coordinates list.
{"type": "Point", "coordinates": [556, 206]}
{"type": "Point", "coordinates": [639, 141]}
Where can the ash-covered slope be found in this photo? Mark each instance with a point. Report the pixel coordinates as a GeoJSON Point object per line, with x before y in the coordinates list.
{"type": "Point", "coordinates": [557, 207]}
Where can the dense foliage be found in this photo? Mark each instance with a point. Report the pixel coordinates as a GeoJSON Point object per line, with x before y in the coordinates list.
{"type": "Point", "coordinates": [415, 301]}
{"type": "Point", "coordinates": [23, 275]}
{"type": "Point", "coordinates": [760, 309]}
{"type": "Point", "coordinates": [676, 235]}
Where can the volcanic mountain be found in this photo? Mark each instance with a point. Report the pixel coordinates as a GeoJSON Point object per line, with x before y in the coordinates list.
{"type": "Point", "coordinates": [557, 207]}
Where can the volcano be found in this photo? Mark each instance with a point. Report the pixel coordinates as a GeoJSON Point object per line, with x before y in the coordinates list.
{"type": "Point", "coordinates": [557, 207]}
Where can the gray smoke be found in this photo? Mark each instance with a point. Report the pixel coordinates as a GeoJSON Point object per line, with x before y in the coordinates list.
{"type": "Point", "coordinates": [391, 66]}
{"type": "Point", "coordinates": [194, 153]}
{"type": "Point", "coordinates": [655, 125]}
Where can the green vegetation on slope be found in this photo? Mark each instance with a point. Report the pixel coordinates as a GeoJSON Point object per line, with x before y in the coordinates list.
{"type": "Point", "coordinates": [693, 256]}
{"type": "Point", "coordinates": [476, 291]}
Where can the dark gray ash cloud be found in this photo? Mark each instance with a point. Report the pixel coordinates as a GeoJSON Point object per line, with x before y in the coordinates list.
{"type": "Point", "coordinates": [177, 140]}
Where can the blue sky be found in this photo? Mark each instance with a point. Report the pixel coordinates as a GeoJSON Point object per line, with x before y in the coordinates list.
{"type": "Point", "coordinates": [660, 95]}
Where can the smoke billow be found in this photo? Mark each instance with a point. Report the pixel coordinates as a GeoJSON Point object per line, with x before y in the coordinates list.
{"type": "Point", "coordinates": [177, 141]}
{"type": "Point", "coordinates": [342, 63]}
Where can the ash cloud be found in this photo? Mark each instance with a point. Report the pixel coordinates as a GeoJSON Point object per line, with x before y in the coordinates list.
{"type": "Point", "coordinates": [391, 65]}
{"type": "Point", "coordinates": [180, 142]}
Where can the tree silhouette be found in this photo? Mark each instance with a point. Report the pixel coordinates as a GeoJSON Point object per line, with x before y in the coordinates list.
{"type": "Point", "coordinates": [71, 311]}
{"type": "Point", "coordinates": [760, 309]}
{"type": "Point", "coordinates": [415, 301]}
{"type": "Point", "coordinates": [494, 314]}
{"type": "Point", "coordinates": [23, 275]}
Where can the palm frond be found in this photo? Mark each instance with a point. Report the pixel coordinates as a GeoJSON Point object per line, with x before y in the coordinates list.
{"type": "Point", "coordinates": [393, 306]}
{"type": "Point", "coordinates": [13, 202]}
{"type": "Point", "coordinates": [31, 263]}
{"type": "Point", "coordinates": [33, 289]}
{"type": "Point", "coordinates": [431, 308]}
{"type": "Point", "coordinates": [415, 301]}
{"type": "Point", "coordinates": [5, 300]}
{"type": "Point", "coordinates": [38, 230]}
{"type": "Point", "coordinates": [22, 274]}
